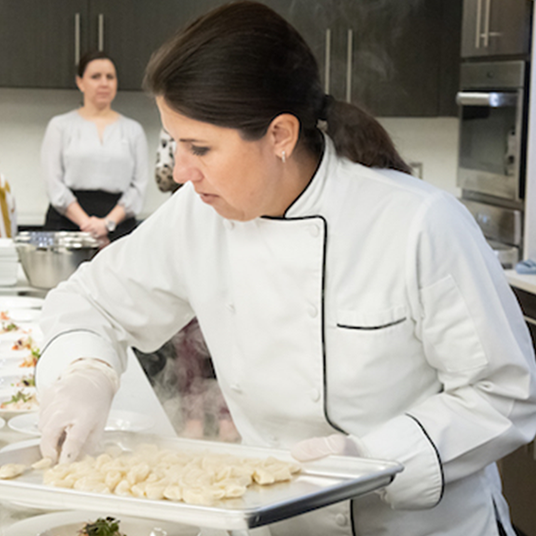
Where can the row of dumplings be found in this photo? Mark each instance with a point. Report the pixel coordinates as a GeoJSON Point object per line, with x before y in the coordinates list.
{"type": "Point", "coordinates": [165, 474]}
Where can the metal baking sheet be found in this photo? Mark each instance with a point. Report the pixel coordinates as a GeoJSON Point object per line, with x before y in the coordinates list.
{"type": "Point", "coordinates": [320, 483]}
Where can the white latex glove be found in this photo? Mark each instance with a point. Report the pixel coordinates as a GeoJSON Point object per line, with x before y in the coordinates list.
{"type": "Point", "coordinates": [320, 447]}
{"type": "Point", "coordinates": [74, 410]}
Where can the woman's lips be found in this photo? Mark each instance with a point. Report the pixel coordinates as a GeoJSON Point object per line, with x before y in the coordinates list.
{"type": "Point", "coordinates": [207, 198]}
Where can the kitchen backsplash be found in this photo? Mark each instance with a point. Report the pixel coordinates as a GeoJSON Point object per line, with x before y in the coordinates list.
{"type": "Point", "coordinates": [428, 144]}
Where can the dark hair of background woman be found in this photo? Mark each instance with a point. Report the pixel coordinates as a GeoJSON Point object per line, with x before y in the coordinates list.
{"type": "Point", "coordinates": [241, 65]}
{"type": "Point", "coordinates": [88, 57]}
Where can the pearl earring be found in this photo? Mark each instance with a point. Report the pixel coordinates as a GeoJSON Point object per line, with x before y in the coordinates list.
{"type": "Point", "coordinates": [283, 157]}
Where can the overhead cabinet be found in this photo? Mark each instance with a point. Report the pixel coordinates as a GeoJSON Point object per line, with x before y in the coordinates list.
{"type": "Point", "coordinates": [395, 58]}
{"type": "Point", "coordinates": [496, 28]}
{"type": "Point", "coordinates": [41, 41]}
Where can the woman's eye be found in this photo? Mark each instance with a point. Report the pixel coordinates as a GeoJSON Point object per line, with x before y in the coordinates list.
{"type": "Point", "coordinates": [199, 151]}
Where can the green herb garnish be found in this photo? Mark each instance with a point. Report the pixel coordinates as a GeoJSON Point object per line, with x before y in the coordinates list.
{"type": "Point", "coordinates": [19, 396]}
{"type": "Point", "coordinates": [102, 527]}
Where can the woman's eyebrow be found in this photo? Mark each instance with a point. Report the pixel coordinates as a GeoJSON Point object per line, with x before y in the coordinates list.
{"type": "Point", "coordinates": [191, 140]}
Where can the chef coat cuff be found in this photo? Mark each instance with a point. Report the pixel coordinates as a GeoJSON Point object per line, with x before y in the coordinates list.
{"type": "Point", "coordinates": [61, 351]}
{"type": "Point", "coordinates": [403, 439]}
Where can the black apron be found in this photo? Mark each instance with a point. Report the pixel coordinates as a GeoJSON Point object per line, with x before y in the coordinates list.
{"type": "Point", "coordinates": [95, 203]}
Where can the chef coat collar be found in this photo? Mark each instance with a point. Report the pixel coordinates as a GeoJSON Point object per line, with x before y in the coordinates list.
{"type": "Point", "coordinates": [309, 202]}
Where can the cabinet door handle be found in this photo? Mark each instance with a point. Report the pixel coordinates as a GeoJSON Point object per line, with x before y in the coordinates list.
{"type": "Point", "coordinates": [491, 99]}
{"type": "Point", "coordinates": [486, 23]}
{"type": "Point", "coordinates": [327, 63]}
{"type": "Point", "coordinates": [478, 23]}
{"type": "Point", "coordinates": [76, 39]}
{"type": "Point", "coordinates": [349, 62]}
{"type": "Point", "coordinates": [100, 36]}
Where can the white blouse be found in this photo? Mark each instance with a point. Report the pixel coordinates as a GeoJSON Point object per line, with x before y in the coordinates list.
{"type": "Point", "coordinates": [73, 157]}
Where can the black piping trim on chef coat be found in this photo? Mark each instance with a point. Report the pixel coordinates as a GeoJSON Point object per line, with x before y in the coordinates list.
{"type": "Point", "coordinates": [352, 518]}
{"type": "Point", "coordinates": [437, 454]}
{"type": "Point", "coordinates": [322, 309]}
{"type": "Point", "coordinates": [372, 328]}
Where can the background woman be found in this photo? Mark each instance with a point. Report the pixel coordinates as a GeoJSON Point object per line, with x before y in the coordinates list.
{"type": "Point", "coordinates": [94, 159]}
{"type": "Point", "coordinates": [348, 307]}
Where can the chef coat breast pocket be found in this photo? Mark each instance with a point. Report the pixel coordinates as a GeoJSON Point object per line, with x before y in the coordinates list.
{"type": "Point", "coordinates": [372, 321]}
{"type": "Point", "coordinates": [374, 332]}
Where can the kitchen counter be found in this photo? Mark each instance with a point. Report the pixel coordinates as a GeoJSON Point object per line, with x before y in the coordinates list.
{"type": "Point", "coordinates": [524, 282]}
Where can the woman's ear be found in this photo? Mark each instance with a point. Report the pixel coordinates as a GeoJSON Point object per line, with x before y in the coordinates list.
{"type": "Point", "coordinates": [79, 83]}
{"type": "Point", "coordinates": [284, 132]}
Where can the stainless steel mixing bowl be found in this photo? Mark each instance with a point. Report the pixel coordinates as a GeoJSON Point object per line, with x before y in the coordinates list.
{"type": "Point", "coordinates": [48, 258]}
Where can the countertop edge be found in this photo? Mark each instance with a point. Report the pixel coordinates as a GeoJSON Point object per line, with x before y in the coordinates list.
{"type": "Point", "coordinates": [521, 281]}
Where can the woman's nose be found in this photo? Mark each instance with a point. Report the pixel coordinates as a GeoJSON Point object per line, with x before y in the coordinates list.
{"type": "Point", "coordinates": [184, 172]}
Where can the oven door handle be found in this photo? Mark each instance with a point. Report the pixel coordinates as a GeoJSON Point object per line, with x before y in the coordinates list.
{"type": "Point", "coordinates": [492, 99]}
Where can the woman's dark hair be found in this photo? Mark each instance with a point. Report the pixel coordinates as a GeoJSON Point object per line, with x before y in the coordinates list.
{"type": "Point", "coordinates": [88, 57]}
{"type": "Point", "coordinates": [241, 65]}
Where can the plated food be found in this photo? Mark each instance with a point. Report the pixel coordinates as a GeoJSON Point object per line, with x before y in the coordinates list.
{"type": "Point", "coordinates": [21, 400]}
{"type": "Point", "coordinates": [19, 353]}
{"type": "Point", "coordinates": [70, 523]}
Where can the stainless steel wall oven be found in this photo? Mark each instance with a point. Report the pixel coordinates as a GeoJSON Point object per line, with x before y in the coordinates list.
{"type": "Point", "coordinates": [492, 150]}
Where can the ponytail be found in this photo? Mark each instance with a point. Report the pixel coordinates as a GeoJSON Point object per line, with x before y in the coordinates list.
{"type": "Point", "coordinates": [359, 137]}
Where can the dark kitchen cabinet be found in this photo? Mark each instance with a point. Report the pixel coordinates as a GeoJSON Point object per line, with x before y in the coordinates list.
{"type": "Point", "coordinates": [131, 31]}
{"type": "Point", "coordinates": [39, 41]}
{"type": "Point", "coordinates": [496, 28]}
{"type": "Point", "coordinates": [404, 56]}
{"type": "Point", "coordinates": [395, 58]}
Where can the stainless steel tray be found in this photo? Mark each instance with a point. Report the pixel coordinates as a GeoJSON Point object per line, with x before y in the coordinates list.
{"type": "Point", "coordinates": [320, 483]}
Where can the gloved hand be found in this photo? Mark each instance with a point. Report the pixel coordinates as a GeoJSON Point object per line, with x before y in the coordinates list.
{"type": "Point", "coordinates": [74, 409]}
{"type": "Point", "coordinates": [320, 447]}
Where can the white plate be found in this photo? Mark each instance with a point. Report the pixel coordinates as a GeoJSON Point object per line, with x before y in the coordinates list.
{"type": "Point", "coordinates": [22, 315]}
{"type": "Point", "coordinates": [9, 413]}
{"type": "Point", "coordinates": [20, 302]}
{"type": "Point", "coordinates": [8, 382]}
{"type": "Point", "coordinates": [68, 524]}
{"type": "Point", "coordinates": [10, 366]}
{"type": "Point", "coordinates": [7, 351]}
{"type": "Point", "coordinates": [125, 421]}
{"type": "Point", "coordinates": [2, 423]}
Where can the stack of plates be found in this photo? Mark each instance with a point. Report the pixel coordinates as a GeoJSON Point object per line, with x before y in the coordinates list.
{"type": "Point", "coordinates": [9, 262]}
{"type": "Point", "coordinates": [20, 342]}
{"type": "Point", "coordinates": [18, 327]}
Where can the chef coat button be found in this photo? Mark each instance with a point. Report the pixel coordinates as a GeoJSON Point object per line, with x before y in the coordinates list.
{"type": "Point", "coordinates": [236, 387]}
{"type": "Point", "coordinates": [341, 520]}
{"type": "Point", "coordinates": [313, 311]}
{"type": "Point", "coordinates": [229, 225]}
{"type": "Point", "coordinates": [231, 307]}
{"type": "Point", "coordinates": [315, 395]}
{"type": "Point", "coordinates": [273, 441]}
{"type": "Point", "coordinates": [314, 230]}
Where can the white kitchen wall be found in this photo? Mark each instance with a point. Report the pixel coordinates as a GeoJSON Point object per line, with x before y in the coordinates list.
{"type": "Point", "coordinates": [24, 114]}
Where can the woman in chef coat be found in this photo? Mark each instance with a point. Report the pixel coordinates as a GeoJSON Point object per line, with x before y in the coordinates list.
{"type": "Point", "coordinates": [349, 308]}
{"type": "Point", "coordinates": [94, 159]}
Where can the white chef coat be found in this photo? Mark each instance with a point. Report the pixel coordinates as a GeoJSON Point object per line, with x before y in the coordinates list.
{"type": "Point", "coordinates": [73, 157]}
{"type": "Point", "coordinates": [374, 307]}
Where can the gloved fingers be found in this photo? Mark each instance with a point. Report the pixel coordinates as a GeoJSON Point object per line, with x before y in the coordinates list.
{"type": "Point", "coordinates": [51, 442]}
{"type": "Point", "coordinates": [318, 447]}
{"type": "Point", "coordinates": [75, 440]}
